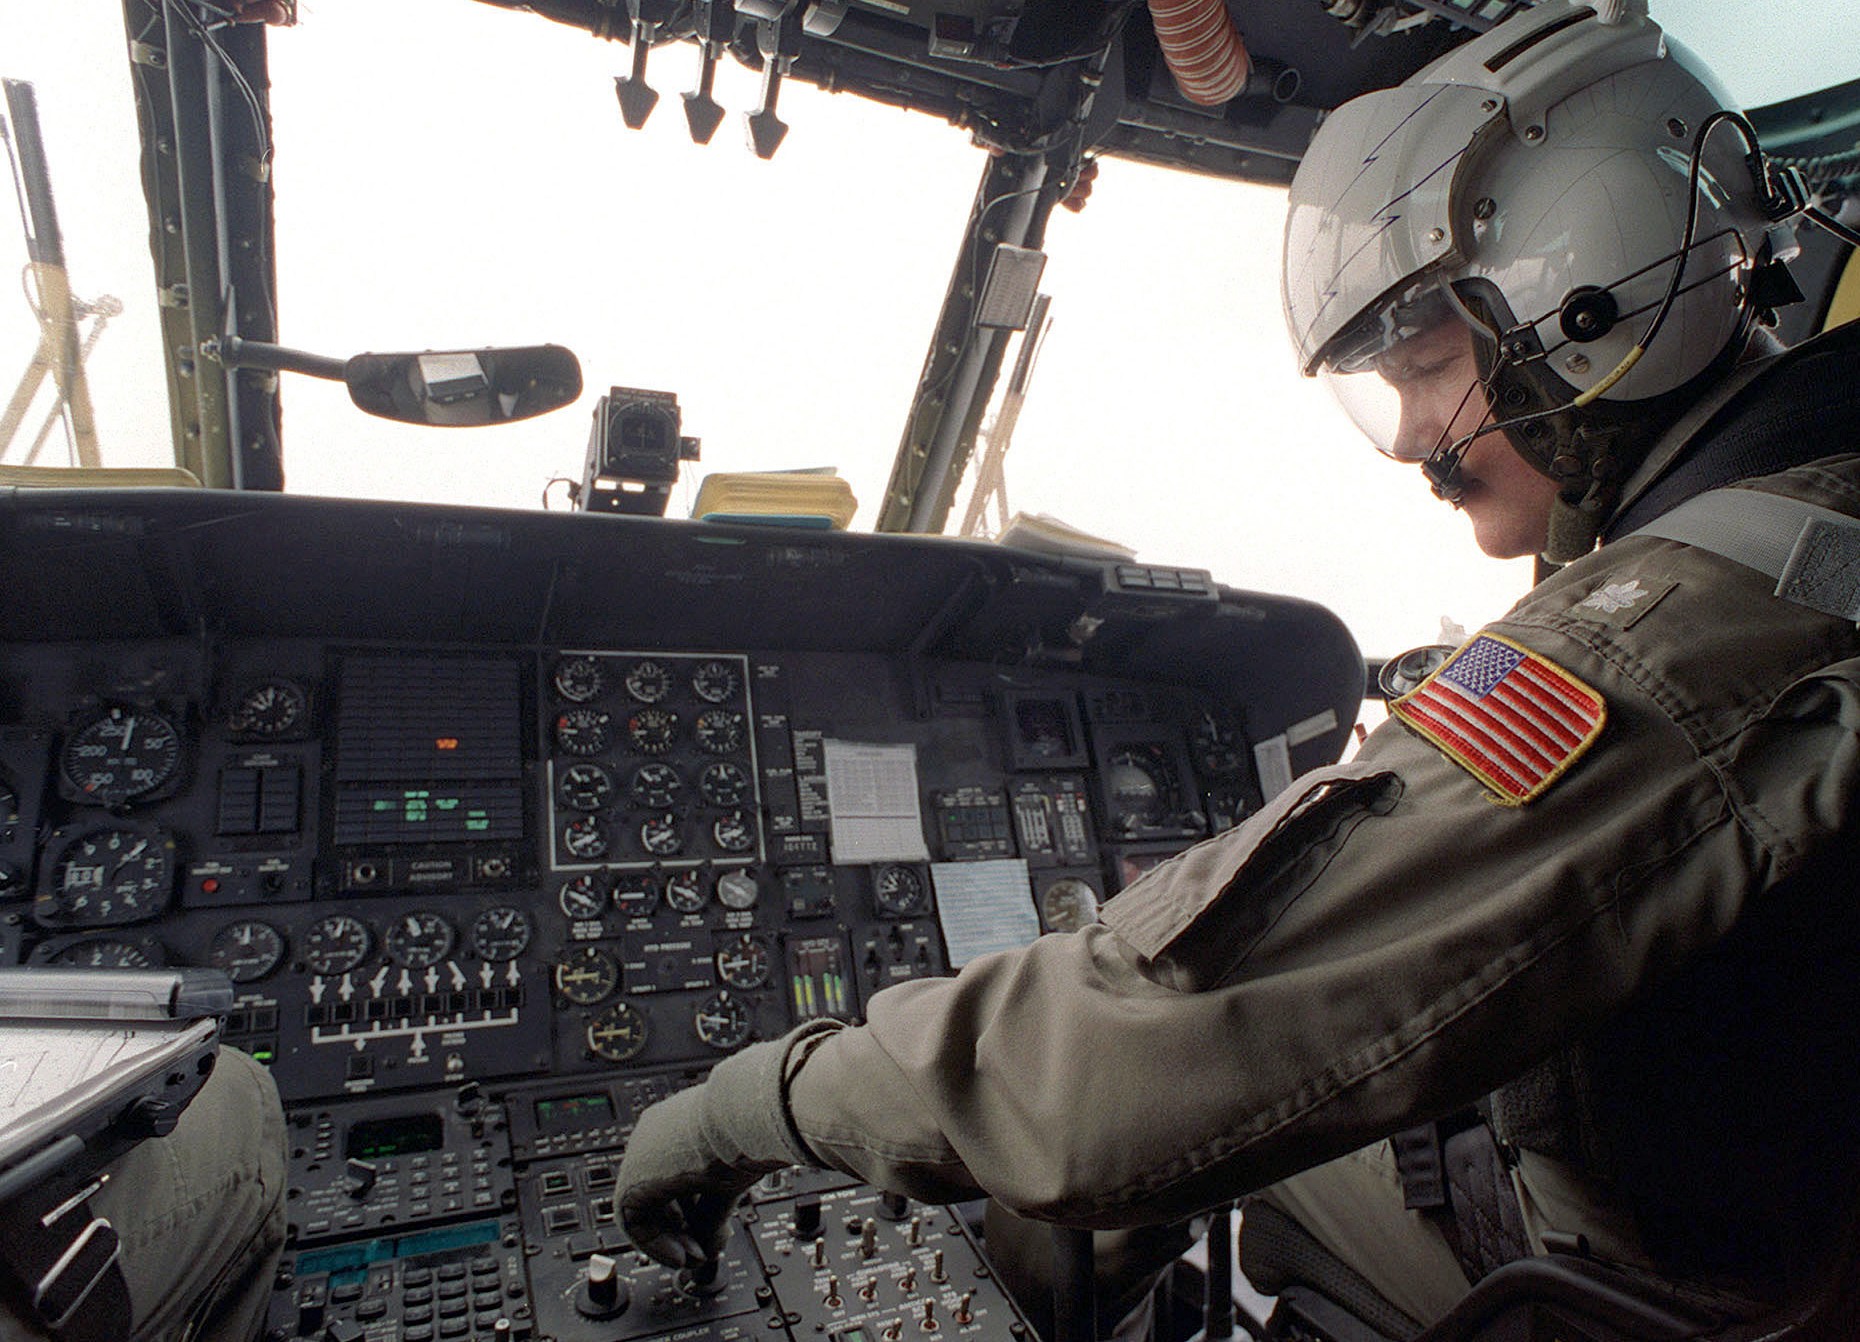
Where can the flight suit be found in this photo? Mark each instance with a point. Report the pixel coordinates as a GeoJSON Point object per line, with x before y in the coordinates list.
{"type": "Point", "coordinates": [1388, 940]}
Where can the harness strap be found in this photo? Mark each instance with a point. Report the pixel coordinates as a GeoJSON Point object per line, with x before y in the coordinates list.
{"type": "Point", "coordinates": [67, 1264]}
{"type": "Point", "coordinates": [1813, 553]}
{"type": "Point", "coordinates": [1453, 1172]}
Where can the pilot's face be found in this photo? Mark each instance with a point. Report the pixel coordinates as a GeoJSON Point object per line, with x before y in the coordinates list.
{"type": "Point", "coordinates": [1437, 379]}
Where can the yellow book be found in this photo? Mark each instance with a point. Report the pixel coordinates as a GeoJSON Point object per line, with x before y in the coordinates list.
{"type": "Point", "coordinates": [778, 498]}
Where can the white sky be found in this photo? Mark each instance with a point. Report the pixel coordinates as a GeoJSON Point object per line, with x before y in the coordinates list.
{"type": "Point", "coordinates": [450, 174]}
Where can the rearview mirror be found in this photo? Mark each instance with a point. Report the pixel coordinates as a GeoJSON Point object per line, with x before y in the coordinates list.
{"type": "Point", "coordinates": [464, 387]}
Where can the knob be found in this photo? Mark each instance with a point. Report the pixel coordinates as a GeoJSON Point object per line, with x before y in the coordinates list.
{"type": "Point", "coordinates": [604, 1293]}
{"type": "Point", "coordinates": [362, 1175]}
{"type": "Point", "coordinates": [893, 1206]}
{"type": "Point", "coordinates": [806, 1217]}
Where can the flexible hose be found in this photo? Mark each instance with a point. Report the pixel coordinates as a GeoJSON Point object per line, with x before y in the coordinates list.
{"type": "Point", "coordinates": [1203, 49]}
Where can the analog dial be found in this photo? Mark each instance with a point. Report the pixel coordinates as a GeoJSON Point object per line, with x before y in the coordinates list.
{"type": "Point", "coordinates": [719, 730]}
{"type": "Point", "coordinates": [734, 832]}
{"type": "Point", "coordinates": [584, 786]}
{"type": "Point", "coordinates": [582, 898]}
{"type": "Point", "coordinates": [584, 838]}
{"type": "Point", "coordinates": [684, 891]}
{"type": "Point", "coordinates": [723, 783]}
{"type": "Point", "coordinates": [102, 953]}
{"type": "Point", "coordinates": [417, 940]}
{"type": "Point", "coordinates": [898, 890]}
{"type": "Point", "coordinates": [743, 963]}
{"type": "Point", "coordinates": [583, 730]}
{"type": "Point", "coordinates": [648, 682]}
{"type": "Point", "coordinates": [655, 785]}
{"type": "Point", "coordinates": [636, 895]}
{"type": "Point", "coordinates": [660, 835]}
{"type": "Point", "coordinates": [736, 890]}
{"type": "Point", "coordinates": [652, 730]}
{"type": "Point", "coordinates": [502, 933]}
{"type": "Point", "coordinates": [587, 975]}
{"type": "Point", "coordinates": [246, 950]}
{"type": "Point", "coordinates": [272, 711]}
{"type": "Point", "coordinates": [1068, 905]}
{"type": "Point", "coordinates": [122, 754]}
{"type": "Point", "coordinates": [715, 682]}
{"type": "Point", "coordinates": [336, 944]}
{"type": "Point", "coordinates": [618, 1033]}
{"type": "Point", "coordinates": [1141, 792]}
{"type": "Point", "coordinates": [579, 680]}
{"type": "Point", "coordinates": [723, 1022]}
{"type": "Point", "coordinates": [107, 877]}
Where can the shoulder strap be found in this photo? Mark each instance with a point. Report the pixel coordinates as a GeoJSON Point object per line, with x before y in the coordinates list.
{"type": "Point", "coordinates": [1813, 553]}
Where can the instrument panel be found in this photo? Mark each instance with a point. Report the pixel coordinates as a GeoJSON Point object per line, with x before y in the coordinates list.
{"type": "Point", "coordinates": [496, 858]}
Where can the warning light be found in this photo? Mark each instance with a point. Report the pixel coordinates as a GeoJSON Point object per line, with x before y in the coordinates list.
{"type": "Point", "coordinates": [447, 743]}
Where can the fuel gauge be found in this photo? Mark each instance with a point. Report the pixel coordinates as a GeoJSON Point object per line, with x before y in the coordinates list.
{"type": "Point", "coordinates": [246, 950]}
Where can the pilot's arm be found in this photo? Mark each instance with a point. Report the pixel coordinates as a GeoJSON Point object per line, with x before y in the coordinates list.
{"type": "Point", "coordinates": [1382, 944]}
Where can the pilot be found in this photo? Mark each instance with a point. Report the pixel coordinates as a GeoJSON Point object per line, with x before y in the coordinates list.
{"type": "Point", "coordinates": [1575, 928]}
{"type": "Point", "coordinates": [200, 1217]}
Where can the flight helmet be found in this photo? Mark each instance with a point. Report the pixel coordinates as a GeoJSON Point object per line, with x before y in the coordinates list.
{"type": "Point", "coordinates": [1539, 184]}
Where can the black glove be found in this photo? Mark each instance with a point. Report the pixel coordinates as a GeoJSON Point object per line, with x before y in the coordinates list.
{"type": "Point", "coordinates": [692, 1156]}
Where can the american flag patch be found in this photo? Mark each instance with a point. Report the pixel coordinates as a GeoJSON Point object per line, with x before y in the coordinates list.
{"type": "Point", "coordinates": [1510, 718]}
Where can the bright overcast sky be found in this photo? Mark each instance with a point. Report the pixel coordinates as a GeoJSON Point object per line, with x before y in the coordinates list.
{"type": "Point", "coordinates": [450, 174]}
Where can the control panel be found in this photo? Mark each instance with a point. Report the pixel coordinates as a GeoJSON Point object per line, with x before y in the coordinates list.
{"type": "Point", "coordinates": [505, 826]}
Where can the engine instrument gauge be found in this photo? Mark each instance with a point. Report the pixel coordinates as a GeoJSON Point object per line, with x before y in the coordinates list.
{"type": "Point", "coordinates": [648, 682]}
{"type": "Point", "coordinates": [618, 1033]}
{"type": "Point", "coordinates": [274, 710]}
{"type": "Point", "coordinates": [714, 682]}
{"type": "Point", "coordinates": [652, 730]}
{"type": "Point", "coordinates": [737, 890]}
{"type": "Point", "coordinates": [102, 953]}
{"type": "Point", "coordinates": [583, 730]}
{"type": "Point", "coordinates": [743, 963]}
{"type": "Point", "coordinates": [684, 891]}
{"type": "Point", "coordinates": [636, 894]}
{"type": "Point", "coordinates": [723, 1022]}
{"type": "Point", "coordinates": [502, 933]}
{"type": "Point", "coordinates": [336, 944]}
{"type": "Point", "coordinates": [417, 940]}
{"type": "Point", "coordinates": [121, 754]}
{"type": "Point", "coordinates": [898, 890]}
{"type": "Point", "coordinates": [719, 730]}
{"type": "Point", "coordinates": [584, 786]}
{"type": "Point", "coordinates": [107, 877]}
{"type": "Point", "coordinates": [1138, 785]}
{"type": "Point", "coordinates": [1068, 905]}
{"type": "Point", "coordinates": [246, 950]}
{"type": "Point", "coordinates": [655, 785]}
{"type": "Point", "coordinates": [587, 975]}
{"type": "Point", "coordinates": [582, 898]}
{"type": "Point", "coordinates": [734, 832]}
{"type": "Point", "coordinates": [579, 679]}
{"type": "Point", "coordinates": [660, 835]}
{"type": "Point", "coordinates": [723, 783]}
{"type": "Point", "coordinates": [584, 838]}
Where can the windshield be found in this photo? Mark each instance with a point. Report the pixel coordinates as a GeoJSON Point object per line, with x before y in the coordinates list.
{"type": "Point", "coordinates": [452, 174]}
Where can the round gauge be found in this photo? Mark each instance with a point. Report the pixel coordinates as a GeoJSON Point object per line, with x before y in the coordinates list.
{"type": "Point", "coordinates": [723, 783]}
{"type": "Point", "coordinates": [737, 890]}
{"type": "Point", "coordinates": [898, 890]}
{"type": "Point", "coordinates": [102, 953]}
{"type": "Point", "coordinates": [579, 679]}
{"type": "Point", "coordinates": [121, 754]}
{"type": "Point", "coordinates": [648, 682]}
{"type": "Point", "coordinates": [270, 711]}
{"type": "Point", "coordinates": [734, 832]}
{"type": "Point", "coordinates": [719, 730]}
{"type": "Point", "coordinates": [1139, 787]}
{"type": "Point", "coordinates": [336, 944]}
{"type": "Point", "coordinates": [743, 963]}
{"type": "Point", "coordinates": [584, 786]}
{"type": "Point", "coordinates": [655, 785]}
{"type": "Point", "coordinates": [246, 950]}
{"type": "Point", "coordinates": [1068, 905]}
{"type": "Point", "coordinates": [714, 682]}
{"type": "Point", "coordinates": [582, 898]}
{"type": "Point", "coordinates": [583, 838]}
{"type": "Point", "coordinates": [684, 891]}
{"type": "Point", "coordinates": [109, 876]}
{"type": "Point", "coordinates": [660, 836]}
{"type": "Point", "coordinates": [417, 940]}
{"type": "Point", "coordinates": [583, 730]}
{"type": "Point", "coordinates": [587, 975]}
{"type": "Point", "coordinates": [501, 933]}
{"type": "Point", "coordinates": [652, 730]}
{"type": "Point", "coordinates": [636, 895]}
{"type": "Point", "coordinates": [723, 1022]}
{"type": "Point", "coordinates": [618, 1033]}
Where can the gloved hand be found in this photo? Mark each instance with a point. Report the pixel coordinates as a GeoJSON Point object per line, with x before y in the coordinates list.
{"type": "Point", "coordinates": [692, 1156]}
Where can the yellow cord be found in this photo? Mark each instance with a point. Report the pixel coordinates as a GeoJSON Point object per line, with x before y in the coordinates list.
{"type": "Point", "coordinates": [1621, 371]}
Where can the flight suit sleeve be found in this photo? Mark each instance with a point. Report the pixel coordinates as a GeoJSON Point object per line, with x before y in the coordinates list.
{"type": "Point", "coordinates": [1381, 945]}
